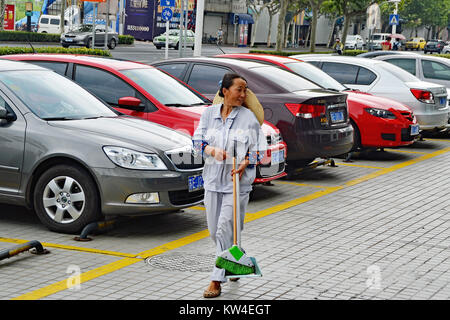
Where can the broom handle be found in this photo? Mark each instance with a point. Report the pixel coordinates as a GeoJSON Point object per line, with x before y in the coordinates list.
{"type": "Point", "coordinates": [234, 204]}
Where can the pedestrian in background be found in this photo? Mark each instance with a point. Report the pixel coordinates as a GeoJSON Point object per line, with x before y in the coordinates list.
{"type": "Point", "coordinates": [338, 46]}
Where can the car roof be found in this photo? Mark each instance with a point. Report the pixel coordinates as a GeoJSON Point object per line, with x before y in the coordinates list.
{"type": "Point", "coordinates": [223, 61]}
{"type": "Point", "coordinates": [9, 65]}
{"type": "Point", "coordinates": [91, 60]}
{"type": "Point", "coordinates": [345, 59]}
{"type": "Point", "coordinates": [260, 56]}
{"type": "Point", "coordinates": [423, 57]}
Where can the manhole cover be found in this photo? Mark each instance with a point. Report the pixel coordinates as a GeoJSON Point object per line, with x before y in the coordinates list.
{"type": "Point", "coordinates": [183, 262]}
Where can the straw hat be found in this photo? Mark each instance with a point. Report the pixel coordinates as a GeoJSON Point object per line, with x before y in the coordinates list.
{"type": "Point", "coordinates": [251, 102]}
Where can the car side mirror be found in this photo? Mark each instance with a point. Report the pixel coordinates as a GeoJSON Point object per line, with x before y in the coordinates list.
{"type": "Point", "coordinates": [4, 114]}
{"type": "Point", "coordinates": [131, 103]}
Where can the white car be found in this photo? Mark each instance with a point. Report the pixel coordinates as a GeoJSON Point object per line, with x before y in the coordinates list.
{"type": "Point", "coordinates": [354, 42]}
{"type": "Point", "coordinates": [446, 49]}
{"type": "Point", "coordinates": [427, 100]}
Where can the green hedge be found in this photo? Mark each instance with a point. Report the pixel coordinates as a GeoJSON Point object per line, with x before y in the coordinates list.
{"type": "Point", "coordinates": [287, 53]}
{"type": "Point", "coordinates": [353, 52]}
{"type": "Point", "coordinates": [126, 39]}
{"type": "Point", "coordinates": [21, 50]}
{"type": "Point", "coordinates": [28, 36]}
{"type": "Point", "coordinates": [442, 55]}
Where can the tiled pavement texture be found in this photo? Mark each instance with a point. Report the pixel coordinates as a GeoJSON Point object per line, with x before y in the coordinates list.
{"type": "Point", "coordinates": [386, 237]}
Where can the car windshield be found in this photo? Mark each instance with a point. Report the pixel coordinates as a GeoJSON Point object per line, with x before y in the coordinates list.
{"type": "Point", "coordinates": [288, 80]}
{"type": "Point", "coordinates": [351, 38]}
{"type": "Point", "coordinates": [84, 28]}
{"type": "Point", "coordinates": [315, 75]}
{"type": "Point", "coordinates": [376, 37]}
{"type": "Point", "coordinates": [398, 72]}
{"type": "Point", "coordinates": [163, 87]}
{"type": "Point", "coordinates": [51, 96]}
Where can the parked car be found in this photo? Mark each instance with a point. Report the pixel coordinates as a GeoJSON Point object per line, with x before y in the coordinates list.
{"type": "Point", "coordinates": [434, 46]}
{"type": "Point", "coordinates": [417, 43]}
{"type": "Point", "coordinates": [373, 54]}
{"type": "Point", "coordinates": [426, 68]}
{"type": "Point", "coordinates": [73, 159]}
{"type": "Point", "coordinates": [82, 36]}
{"type": "Point", "coordinates": [377, 122]}
{"type": "Point", "coordinates": [427, 100]}
{"type": "Point", "coordinates": [313, 121]}
{"type": "Point", "coordinates": [51, 24]}
{"type": "Point", "coordinates": [354, 42]}
{"type": "Point", "coordinates": [174, 39]}
{"type": "Point", "coordinates": [143, 91]}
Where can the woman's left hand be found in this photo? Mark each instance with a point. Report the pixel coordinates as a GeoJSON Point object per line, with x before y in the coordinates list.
{"type": "Point", "coordinates": [240, 169]}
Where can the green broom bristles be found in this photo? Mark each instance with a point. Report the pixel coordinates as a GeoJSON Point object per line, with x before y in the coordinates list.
{"type": "Point", "coordinates": [233, 267]}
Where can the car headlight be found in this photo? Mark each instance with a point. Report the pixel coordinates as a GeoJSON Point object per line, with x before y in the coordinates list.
{"type": "Point", "coordinates": [380, 113]}
{"type": "Point", "coordinates": [131, 159]}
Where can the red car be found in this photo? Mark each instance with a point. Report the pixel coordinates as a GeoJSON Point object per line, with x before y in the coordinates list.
{"type": "Point", "coordinates": [377, 122]}
{"type": "Point", "coordinates": [144, 91]}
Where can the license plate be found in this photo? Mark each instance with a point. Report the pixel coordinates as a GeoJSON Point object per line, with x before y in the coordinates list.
{"type": "Point", "coordinates": [277, 157]}
{"type": "Point", "coordinates": [337, 116]}
{"type": "Point", "coordinates": [195, 182]}
{"type": "Point", "coordinates": [69, 40]}
{"type": "Point", "coordinates": [414, 129]}
{"type": "Point", "coordinates": [442, 100]}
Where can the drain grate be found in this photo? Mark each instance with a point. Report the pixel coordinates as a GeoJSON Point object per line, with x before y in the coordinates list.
{"type": "Point", "coordinates": [183, 262]}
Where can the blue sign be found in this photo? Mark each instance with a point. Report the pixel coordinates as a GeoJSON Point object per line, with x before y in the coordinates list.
{"type": "Point", "coordinates": [393, 20]}
{"type": "Point", "coordinates": [166, 14]}
{"type": "Point", "coordinates": [167, 3]}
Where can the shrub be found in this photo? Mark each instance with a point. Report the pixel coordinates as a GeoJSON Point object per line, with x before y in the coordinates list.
{"type": "Point", "coordinates": [444, 55]}
{"type": "Point", "coordinates": [25, 36]}
{"type": "Point", "coordinates": [353, 52]}
{"type": "Point", "coordinates": [20, 50]}
{"type": "Point", "coordinates": [126, 39]}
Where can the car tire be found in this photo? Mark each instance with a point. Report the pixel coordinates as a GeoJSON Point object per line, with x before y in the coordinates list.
{"type": "Point", "coordinates": [177, 45]}
{"type": "Point", "coordinates": [158, 47]}
{"type": "Point", "coordinates": [356, 137]}
{"type": "Point", "coordinates": [65, 45]}
{"type": "Point", "coordinates": [66, 199]}
{"type": "Point", "coordinates": [112, 44]}
{"type": "Point", "coordinates": [89, 43]}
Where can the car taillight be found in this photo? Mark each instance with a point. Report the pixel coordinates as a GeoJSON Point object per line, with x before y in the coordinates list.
{"type": "Point", "coordinates": [306, 111]}
{"type": "Point", "coordinates": [423, 95]}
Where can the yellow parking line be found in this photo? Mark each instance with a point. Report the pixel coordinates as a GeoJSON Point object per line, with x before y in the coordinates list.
{"type": "Point", "coordinates": [406, 151]}
{"type": "Point", "coordinates": [114, 266]}
{"type": "Point", "coordinates": [358, 165]}
{"type": "Point", "coordinates": [440, 140]}
{"type": "Point", "coordinates": [300, 184]}
{"type": "Point", "coordinates": [65, 247]}
{"type": "Point", "coordinates": [197, 208]}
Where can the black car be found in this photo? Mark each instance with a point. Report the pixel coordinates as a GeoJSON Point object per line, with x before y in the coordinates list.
{"type": "Point", "coordinates": [82, 36]}
{"type": "Point", "coordinates": [313, 122]}
{"type": "Point", "coordinates": [434, 46]}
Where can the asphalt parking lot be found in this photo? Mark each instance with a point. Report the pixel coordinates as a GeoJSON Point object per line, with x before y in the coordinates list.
{"type": "Point", "coordinates": [374, 228]}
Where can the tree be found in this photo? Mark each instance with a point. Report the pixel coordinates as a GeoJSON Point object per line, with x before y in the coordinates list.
{"type": "Point", "coordinates": [257, 7]}
{"type": "Point", "coordinates": [2, 13]}
{"type": "Point", "coordinates": [273, 8]}
{"type": "Point", "coordinates": [294, 8]}
{"type": "Point", "coordinates": [281, 27]}
{"type": "Point", "coordinates": [315, 6]}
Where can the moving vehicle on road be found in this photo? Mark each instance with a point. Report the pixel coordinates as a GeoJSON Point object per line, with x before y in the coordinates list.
{"type": "Point", "coordinates": [427, 100]}
{"type": "Point", "coordinates": [174, 39]}
{"type": "Point", "coordinates": [417, 43]}
{"type": "Point", "coordinates": [434, 46]}
{"type": "Point", "coordinates": [314, 122]}
{"type": "Point", "coordinates": [354, 42]}
{"type": "Point", "coordinates": [51, 24]}
{"type": "Point", "coordinates": [74, 159]}
{"type": "Point", "coordinates": [377, 122]}
{"type": "Point", "coordinates": [143, 91]}
{"type": "Point", "coordinates": [82, 36]}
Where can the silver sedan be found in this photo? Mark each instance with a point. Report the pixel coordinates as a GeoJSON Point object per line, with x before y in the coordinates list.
{"type": "Point", "coordinates": [427, 100]}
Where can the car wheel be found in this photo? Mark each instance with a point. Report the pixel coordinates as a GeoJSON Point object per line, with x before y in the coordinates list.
{"type": "Point", "coordinates": [89, 43]}
{"type": "Point", "coordinates": [65, 45]}
{"type": "Point", "coordinates": [158, 47]}
{"type": "Point", "coordinates": [66, 199]}
{"type": "Point", "coordinates": [177, 45]}
{"type": "Point", "coordinates": [356, 137]}
{"type": "Point", "coordinates": [112, 44]}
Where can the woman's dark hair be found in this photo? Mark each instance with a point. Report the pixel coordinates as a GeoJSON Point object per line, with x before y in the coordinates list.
{"type": "Point", "coordinates": [227, 81]}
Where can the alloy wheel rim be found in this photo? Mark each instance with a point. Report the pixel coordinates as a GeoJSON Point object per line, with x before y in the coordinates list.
{"type": "Point", "coordinates": [64, 199]}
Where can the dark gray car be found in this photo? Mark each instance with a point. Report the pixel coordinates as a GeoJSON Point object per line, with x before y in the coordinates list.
{"type": "Point", "coordinates": [72, 159]}
{"type": "Point", "coordinates": [82, 36]}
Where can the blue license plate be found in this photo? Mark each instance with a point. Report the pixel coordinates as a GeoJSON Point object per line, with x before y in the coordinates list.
{"type": "Point", "coordinates": [195, 183]}
{"type": "Point", "coordinates": [69, 40]}
{"type": "Point", "coordinates": [277, 157]}
{"type": "Point", "coordinates": [442, 100]}
{"type": "Point", "coordinates": [337, 116]}
{"type": "Point", "coordinates": [414, 129]}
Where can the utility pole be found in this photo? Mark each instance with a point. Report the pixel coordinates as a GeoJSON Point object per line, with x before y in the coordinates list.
{"type": "Point", "coordinates": [107, 25]}
{"type": "Point", "coordinates": [199, 28]}
{"type": "Point", "coordinates": [121, 16]}
{"type": "Point", "coordinates": [180, 42]}
{"type": "Point", "coordinates": [394, 27]}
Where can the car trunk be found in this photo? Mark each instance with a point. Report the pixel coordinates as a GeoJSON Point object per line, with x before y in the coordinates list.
{"type": "Point", "coordinates": [439, 92]}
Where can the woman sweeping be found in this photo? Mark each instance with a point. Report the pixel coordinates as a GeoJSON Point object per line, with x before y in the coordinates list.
{"type": "Point", "coordinates": [226, 130]}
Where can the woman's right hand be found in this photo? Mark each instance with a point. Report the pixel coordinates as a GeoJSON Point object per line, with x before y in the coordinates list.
{"type": "Point", "coordinates": [217, 153]}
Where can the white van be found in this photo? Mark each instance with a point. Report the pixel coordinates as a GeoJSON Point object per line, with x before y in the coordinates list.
{"type": "Point", "coordinates": [50, 24]}
{"type": "Point", "coordinates": [376, 39]}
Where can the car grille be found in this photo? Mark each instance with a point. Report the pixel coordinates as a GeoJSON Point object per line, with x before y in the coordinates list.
{"type": "Point", "coordinates": [184, 197]}
{"type": "Point", "coordinates": [186, 161]}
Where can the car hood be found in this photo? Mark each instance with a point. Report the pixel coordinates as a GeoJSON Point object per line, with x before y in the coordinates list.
{"type": "Point", "coordinates": [376, 101]}
{"type": "Point", "coordinates": [133, 132]}
{"type": "Point", "coordinates": [77, 33]}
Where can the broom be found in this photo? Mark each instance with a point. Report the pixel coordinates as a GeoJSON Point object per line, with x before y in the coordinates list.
{"type": "Point", "coordinates": [234, 260]}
